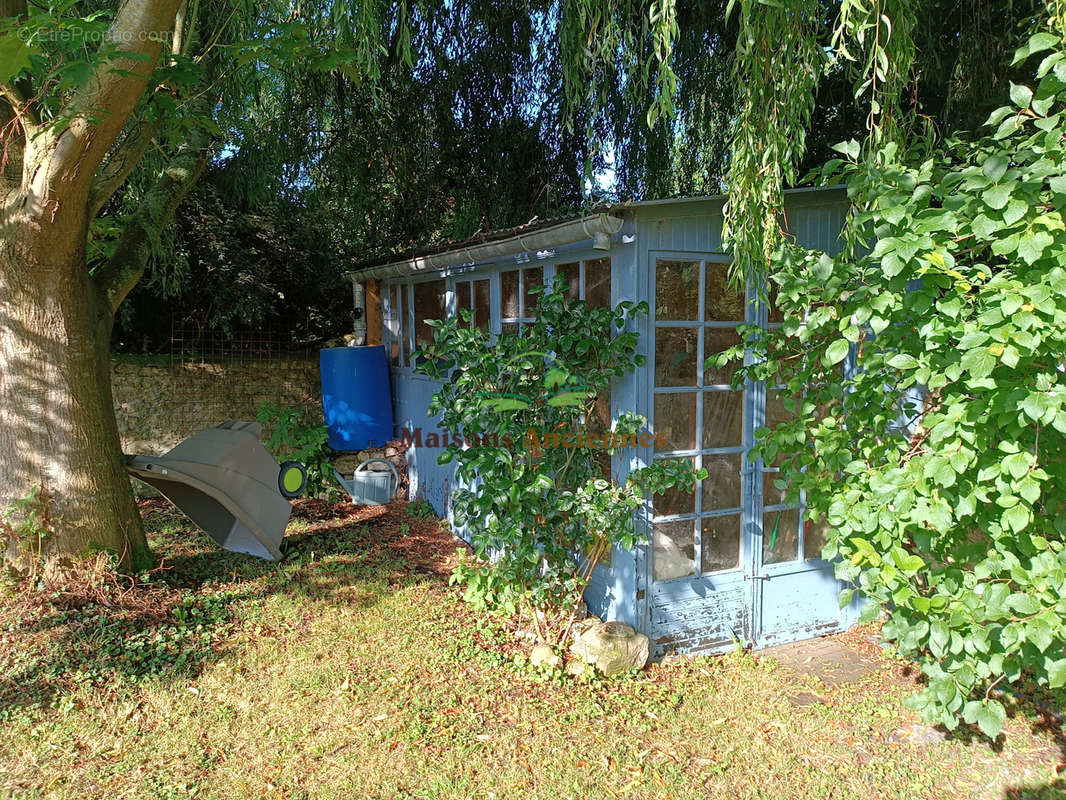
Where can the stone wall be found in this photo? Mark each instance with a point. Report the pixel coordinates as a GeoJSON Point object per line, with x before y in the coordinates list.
{"type": "Point", "coordinates": [160, 404]}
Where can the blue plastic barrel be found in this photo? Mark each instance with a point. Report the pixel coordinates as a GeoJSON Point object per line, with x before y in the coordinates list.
{"type": "Point", "coordinates": [356, 397]}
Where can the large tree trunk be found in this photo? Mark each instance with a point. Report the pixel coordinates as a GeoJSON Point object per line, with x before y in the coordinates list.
{"type": "Point", "coordinates": [58, 434]}
{"type": "Point", "coordinates": [57, 422]}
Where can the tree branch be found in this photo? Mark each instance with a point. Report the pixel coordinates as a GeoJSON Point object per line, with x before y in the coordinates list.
{"type": "Point", "coordinates": [125, 268]}
{"type": "Point", "coordinates": [127, 153]}
{"type": "Point", "coordinates": [100, 111]}
{"type": "Point", "coordinates": [18, 94]}
{"type": "Point", "coordinates": [117, 169]}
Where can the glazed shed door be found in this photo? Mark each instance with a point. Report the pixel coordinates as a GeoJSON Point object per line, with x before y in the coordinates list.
{"type": "Point", "coordinates": [731, 563]}
{"type": "Point", "coordinates": [795, 593]}
{"type": "Point", "coordinates": [701, 560]}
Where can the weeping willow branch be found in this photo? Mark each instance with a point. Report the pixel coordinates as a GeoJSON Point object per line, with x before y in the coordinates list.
{"type": "Point", "coordinates": [875, 36]}
{"type": "Point", "coordinates": [779, 61]}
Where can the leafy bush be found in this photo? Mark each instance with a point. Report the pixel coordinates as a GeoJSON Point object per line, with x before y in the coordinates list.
{"type": "Point", "coordinates": [938, 460]}
{"type": "Point", "coordinates": [538, 501]}
{"type": "Point", "coordinates": [297, 435]}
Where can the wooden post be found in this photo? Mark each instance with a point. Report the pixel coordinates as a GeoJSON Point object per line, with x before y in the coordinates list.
{"type": "Point", "coordinates": [373, 312]}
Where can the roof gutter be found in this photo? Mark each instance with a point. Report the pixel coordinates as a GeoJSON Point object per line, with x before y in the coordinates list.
{"type": "Point", "coordinates": [598, 227]}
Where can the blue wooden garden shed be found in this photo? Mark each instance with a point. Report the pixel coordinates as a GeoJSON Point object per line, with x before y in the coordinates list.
{"type": "Point", "coordinates": [731, 562]}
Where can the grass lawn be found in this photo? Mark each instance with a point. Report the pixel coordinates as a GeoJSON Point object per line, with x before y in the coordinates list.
{"type": "Point", "coordinates": [352, 670]}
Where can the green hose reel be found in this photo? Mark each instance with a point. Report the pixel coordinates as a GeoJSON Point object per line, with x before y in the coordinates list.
{"type": "Point", "coordinates": [292, 479]}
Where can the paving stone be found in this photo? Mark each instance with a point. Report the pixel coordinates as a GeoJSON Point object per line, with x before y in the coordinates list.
{"type": "Point", "coordinates": [833, 662]}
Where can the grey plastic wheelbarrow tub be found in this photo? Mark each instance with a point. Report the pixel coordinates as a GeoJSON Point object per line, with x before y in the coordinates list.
{"type": "Point", "coordinates": [227, 483]}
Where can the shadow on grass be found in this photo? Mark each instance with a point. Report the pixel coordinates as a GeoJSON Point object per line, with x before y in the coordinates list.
{"type": "Point", "coordinates": [1041, 709]}
{"type": "Point", "coordinates": [181, 617]}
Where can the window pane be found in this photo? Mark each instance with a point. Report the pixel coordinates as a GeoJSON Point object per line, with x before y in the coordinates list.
{"type": "Point", "coordinates": [721, 543]}
{"type": "Point", "coordinates": [775, 314]}
{"type": "Point", "coordinates": [598, 282]}
{"type": "Point", "coordinates": [723, 303]}
{"type": "Point", "coordinates": [674, 501]}
{"type": "Point", "coordinates": [675, 420]}
{"type": "Point", "coordinates": [723, 418]}
{"type": "Point", "coordinates": [482, 304]}
{"type": "Point", "coordinates": [509, 294]}
{"type": "Point", "coordinates": [600, 419]}
{"type": "Point", "coordinates": [509, 327]}
{"type": "Point", "coordinates": [776, 410]}
{"type": "Point", "coordinates": [532, 278]}
{"type": "Point", "coordinates": [776, 413]}
{"type": "Point", "coordinates": [571, 273]}
{"type": "Point", "coordinates": [771, 494]}
{"type": "Point", "coordinates": [677, 290]}
{"type": "Point", "coordinates": [462, 298]}
{"type": "Point", "coordinates": [428, 304]}
{"type": "Point", "coordinates": [674, 549]}
{"type": "Point", "coordinates": [395, 323]}
{"type": "Point", "coordinates": [780, 536]}
{"type": "Point", "coordinates": [676, 356]}
{"type": "Point", "coordinates": [721, 489]}
{"type": "Point", "coordinates": [814, 535]}
{"type": "Point", "coordinates": [718, 340]}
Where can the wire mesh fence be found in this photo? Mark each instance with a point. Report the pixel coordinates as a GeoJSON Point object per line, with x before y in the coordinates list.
{"type": "Point", "coordinates": [194, 344]}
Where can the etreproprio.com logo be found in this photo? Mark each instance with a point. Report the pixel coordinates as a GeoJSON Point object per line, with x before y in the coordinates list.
{"type": "Point", "coordinates": [82, 35]}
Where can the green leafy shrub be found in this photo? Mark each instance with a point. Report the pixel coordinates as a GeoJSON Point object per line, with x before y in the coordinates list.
{"type": "Point", "coordinates": [420, 510]}
{"type": "Point", "coordinates": [541, 513]}
{"type": "Point", "coordinates": [27, 535]}
{"type": "Point", "coordinates": [298, 435]}
{"type": "Point", "coordinates": [938, 462]}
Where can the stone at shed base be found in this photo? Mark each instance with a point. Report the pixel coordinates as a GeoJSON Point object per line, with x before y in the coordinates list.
{"type": "Point", "coordinates": [613, 647]}
{"type": "Point", "coordinates": [575, 667]}
{"type": "Point", "coordinates": [544, 655]}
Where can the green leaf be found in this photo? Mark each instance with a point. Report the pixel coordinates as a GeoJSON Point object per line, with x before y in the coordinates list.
{"type": "Point", "coordinates": [995, 167]}
{"type": "Point", "coordinates": [903, 361]}
{"type": "Point", "coordinates": [14, 56]}
{"type": "Point", "coordinates": [1038, 43]}
{"type": "Point", "coordinates": [1056, 672]}
{"type": "Point", "coordinates": [1023, 603]}
{"type": "Point", "coordinates": [997, 196]}
{"type": "Point", "coordinates": [836, 352]}
{"type": "Point", "coordinates": [939, 635]}
{"type": "Point", "coordinates": [985, 227]}
{"type": "Point", "coordinates": [1021, 95]}
{"type": "Point", "coordinates": [991, 717]}
{"type": "Point", "coordinates": [1016, 518]}
{"type": "Point", "coordinates": [1032, 247]}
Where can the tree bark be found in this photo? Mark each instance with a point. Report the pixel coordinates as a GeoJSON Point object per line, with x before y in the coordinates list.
{"type": "Point", "coordinates": [58, 433]}
{"type": "Point", "coordinates": [57, 423]}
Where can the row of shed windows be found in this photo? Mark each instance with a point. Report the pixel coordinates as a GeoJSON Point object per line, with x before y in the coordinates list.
{"type": "Point", "coordinates": [408, 306]}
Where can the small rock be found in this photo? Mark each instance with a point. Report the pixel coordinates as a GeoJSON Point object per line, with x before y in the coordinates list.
{"type": "Point", "coordinates": [917, 734]}
{"type": "Point", "coordinates": [804, 699]}
{"type": "Point", "coordinates": [613, 647]}
{"type": "Point", "coordinates": [581, 627]}
{"type": "Point", "coordinates": [575, 667]}
{"type": "Point", "coordinates": [545, 655]}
